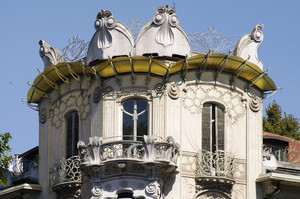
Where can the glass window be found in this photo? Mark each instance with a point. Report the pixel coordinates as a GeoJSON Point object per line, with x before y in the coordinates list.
{"type": "Point", "coordinates": [212, 127]}
{"type": "Point", "coordinates": [135, 119]}
{"type": "Point", "coordinates": [72, 134]}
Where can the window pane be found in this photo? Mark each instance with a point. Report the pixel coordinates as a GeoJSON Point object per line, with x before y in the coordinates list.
{"type": "Point", "coordinates": [220, 127]}
{"type": "Point", "coordinates": [206, 127]}
{"type": "Point", "coordinates": [135, 119]}
{"type": "Point", "coordinates": [212, 127]}
{"type": "Point", "coordinates": [72, 134]}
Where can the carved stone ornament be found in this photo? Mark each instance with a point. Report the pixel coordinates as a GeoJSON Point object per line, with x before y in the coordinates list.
{"type": "Point", "coordinates": [174, 91]}
{"type": "Point", "coordinates": [96, 190]}
{"type": "Point", "coordinates": [247, 47]}
{"type": "Point", "coordinates": [112, 38]}
{"type": "Point", "coordinates": [165, 18]}
{"type": "Point", "coordinates": [77, 102]}
{"type": "Point", "coordinates": [153, 189]}
{"type": "Point", "coordinates": [97, 94]}
{"type": "Point", "coordinates": [255, 104]}
{"type": "Point", "coordinates": [50, 55]}
{"type": "Point", "coordinates": [194, 99]}
{"type": "Point", "coordinates": [43, 115]}
{"type": "Point", "coordinates": [163, 35]}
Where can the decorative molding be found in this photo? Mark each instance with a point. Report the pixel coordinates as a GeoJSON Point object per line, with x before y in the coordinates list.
{"type": "Point", "coordinates": [194, 99]}
{"type": "Point", "coordinates": [247, 47]}
{"type": "Point", "coordinates": [97, 94]}
{"type": "Point", "coordinates": [43, 115]}
{"type": "Point", "coordinates": [78, 102]}
{"type": "Point", "coordinates": [255, 104]}
{"type": "Point", "coordinates": [174, 91]}
{"type": "Point", "coordinates": [239, 191]}
{"type": "Point", "coordinates": [154, 189]}
{"type": "Point", "coordinates": [50, 55]}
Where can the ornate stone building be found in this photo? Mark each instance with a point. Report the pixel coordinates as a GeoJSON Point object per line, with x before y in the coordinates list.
{"type": "Point", "coordinates": [148, 119]}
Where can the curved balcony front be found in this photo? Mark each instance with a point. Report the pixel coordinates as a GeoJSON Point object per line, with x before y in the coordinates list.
{"type": "Point", "coordinates": [137, 156]}
{"type": "Point", "coordinates": [66, 173]}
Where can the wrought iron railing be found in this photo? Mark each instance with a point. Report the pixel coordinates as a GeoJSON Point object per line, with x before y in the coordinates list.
{"type": "Point", "coordinates": [148, 149]}
{"type": "Point", "coordinates": [215, 164]}
{"type": "Point", "coordinates": [66, 170]}
{"type": "Point", "coordinates": [289, 154]}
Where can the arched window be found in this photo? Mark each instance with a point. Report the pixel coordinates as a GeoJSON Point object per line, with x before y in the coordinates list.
{"type": "Point", "coordinates": [72, 134]}
{"type": "Point", "coordinates": [135, 119]}
{"type": "Point", "coordinates": [212, 127]}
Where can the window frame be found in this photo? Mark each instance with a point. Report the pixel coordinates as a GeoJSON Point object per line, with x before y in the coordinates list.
{"type": "Point", "coordinates": [146, 99]}
{"type": "Point", "coordinates": [74, 150]}
{"type": "Point", "coordinates": [213, 115]}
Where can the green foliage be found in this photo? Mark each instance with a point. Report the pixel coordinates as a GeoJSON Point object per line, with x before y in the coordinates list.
{"type": "Point", "coordinates": [274, 122]}
{"type": "Point", "coordinates": [5, 158]}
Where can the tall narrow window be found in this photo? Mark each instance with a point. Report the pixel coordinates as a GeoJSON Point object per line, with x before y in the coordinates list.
{"type": "Point", "coordinates": [212, 127]}
{"type": "Point", "coordinates": [72, 134]}
{"type": "Point", "coordinates": [135, 119]}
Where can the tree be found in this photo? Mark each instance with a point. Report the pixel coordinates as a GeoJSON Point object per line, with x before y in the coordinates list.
{"type": "Point", "coordinates": [274, 122]}
{"type": "Point", "coordinates": [5, 158]}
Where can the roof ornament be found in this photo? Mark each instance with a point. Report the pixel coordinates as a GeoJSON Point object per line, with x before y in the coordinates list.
{"type": "Point", "coordinates": [165, 18]}
{"type": "Point", "coordinates": [50, 55]}
{"type": "Point", "coordinates": [112, 38]}
{"type": "Point", "coordinates": [249, 44]}
{"type": "Point", "coordinates": [163, 36]}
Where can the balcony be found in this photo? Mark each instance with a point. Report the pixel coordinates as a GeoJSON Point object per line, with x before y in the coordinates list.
{"type": "Point", "coordinates": [215, 170]}
{"type": "Point", "coordinates": [131, 156]}
{"type": "Point", "coordinates": [65, 173]}
{"type": "Point", "coordinates": [282, 159]}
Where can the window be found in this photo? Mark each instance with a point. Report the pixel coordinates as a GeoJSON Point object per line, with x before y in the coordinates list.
{"type": "Point", "coordinates": [212, 127]}
{"type": "Point", "coordinates": [72, 134]}
{"type": "Point", "coordinates": [135, 119]}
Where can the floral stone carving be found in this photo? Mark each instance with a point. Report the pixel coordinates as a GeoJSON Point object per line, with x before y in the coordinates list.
{"type": "Point", "coordinates": [153, 189]}
{"type": "Point", "coordinates": [195, 98]}
{"type": "Point", "coordinates": [78, 102]}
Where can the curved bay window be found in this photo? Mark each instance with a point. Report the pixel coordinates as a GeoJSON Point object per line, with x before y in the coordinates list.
{"type": "Point", "coordinates": [72, 134]}
{"type": "Point", "coordinates": [212, 127]}
{"type": "Point", "coordinates": [135, 119]}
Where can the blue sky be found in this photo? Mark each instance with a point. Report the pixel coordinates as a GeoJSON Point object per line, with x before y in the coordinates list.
{"type": "Point", "coordinates": [23, 23]}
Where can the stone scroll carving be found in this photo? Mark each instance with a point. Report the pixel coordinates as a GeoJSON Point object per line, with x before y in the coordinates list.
{"type": "Point", "coordinates": [247, 47]}
{"type": "Point", "coordinates": [50, 55]}
{"type": "Point", "coordinates": [112, 38]}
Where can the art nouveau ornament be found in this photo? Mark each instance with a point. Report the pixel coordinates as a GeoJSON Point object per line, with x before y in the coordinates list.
{"type": "Point", "coordinates": [112, 38]}
{"type": "Point", "coordinates": [255, 104]}
{"type": "Point", "coordinates": [50, 55]}
{"type": "Point", "coordinates": [165, 18]}
{"type": "Point", "coordinates": [247, 47]}
{"type": "Point", "coordinates": [195, 98]}
{"type": "Point", "coordinates": [163, 35]}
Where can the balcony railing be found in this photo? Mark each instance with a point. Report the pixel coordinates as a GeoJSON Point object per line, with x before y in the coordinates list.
{"type": "Point", "coordinates": [218, 164]}
{"type": "Point", "coordinates": [66, 171]}
{"type": "Point", "coordinates": [289, 154]}
{"type": "Point", "coordinates": [147, 149]}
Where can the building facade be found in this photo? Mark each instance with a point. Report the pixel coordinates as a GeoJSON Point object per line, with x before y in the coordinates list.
{"type": "Point", "coordinates": [149, 119]}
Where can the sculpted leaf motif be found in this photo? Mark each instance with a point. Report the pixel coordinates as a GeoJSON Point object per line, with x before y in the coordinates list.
{"type": "Point", "coordinates": [165, 35]}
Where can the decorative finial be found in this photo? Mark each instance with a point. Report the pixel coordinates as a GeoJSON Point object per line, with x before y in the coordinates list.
{"type": "Point", "coordinates": [50, 55]}
{"type": "Point", "coordinates": [249, 44]}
